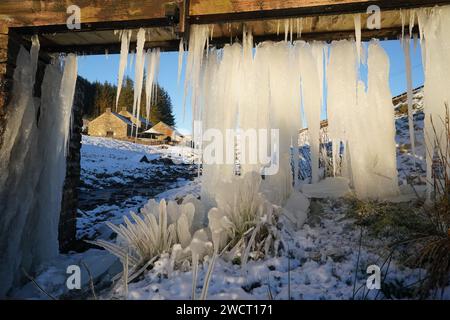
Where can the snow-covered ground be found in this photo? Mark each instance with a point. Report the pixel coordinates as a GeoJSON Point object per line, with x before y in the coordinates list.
{"type": "Point", "coordinates": [320, 264]}
{"type": "Point", "coordinates": [118, 177]}
{"type": "Point", "coordinates": [405, 158]}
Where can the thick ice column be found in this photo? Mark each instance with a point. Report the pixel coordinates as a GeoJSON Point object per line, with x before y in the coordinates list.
{"type": "Point", "coordinates": [221, 91]}
{"type": "Point", "coordinates": [384, 161]}
{"type": "Point", "coordinates": [138, 77]}
{"type": "Point", "coordinates": [197, 44]}
{"type": "Point", "coordinates": [341, 92]}
{"type": "Point", "coordinates": [435, 30]}
{"type": "Point", "coordinates": [32, 177]}
{"type": "Point", "coordinates": [284, 91]}
{"type": "Point", "coordinates": [54, 131]}
{"type": "Point", "coordinates": [371, 132]}
{"type": "Point", "coordinates": [247, 108]}
{"type": "Point", "coordinates": [13, 162]}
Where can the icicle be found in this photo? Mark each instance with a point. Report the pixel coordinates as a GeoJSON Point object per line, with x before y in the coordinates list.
{"type": "Point", "coordinates": [67, 91]}
{"type": "Point", "coordinates": [384, 180]}
{"type": "Point", "coordinates": [286, 29]}
{"type": "Point", "coordinates": [138, 78]}
{"type": "Point", "coordinates": [299, 27]}
{"type": "Point", "coordinates": [291, 29]}
{"type": "Point", "coordinates": [152, 58]}
{"type": "Point", "coordinates": [412, 16]}
{"type": "Point", "coordinates": [131, 62]}
{"type": "Point", "coordinates": [180, 60]}
{"type": "Point", "coordinates": [341, 93]}
{"type": "Point", "coordinates": [403, 19]}
{"type": "Point", "coordinates": [124, 49]}
{"type": "Point", "coordinates": [196, 53]}
{"type": "Point", "coordinates": [357, 19]}
{"type": "Point", "coordinates": [407, 54]}
{"type": "Point", "coordinates": [31, 182]}
{"type": "Point", "coordinates": [211, 32]}
{"type": "Point", "coordinates": [34, 53]}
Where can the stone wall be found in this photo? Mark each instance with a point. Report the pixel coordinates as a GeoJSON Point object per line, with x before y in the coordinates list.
{"type": "Point", "coordinates": [67, 222]}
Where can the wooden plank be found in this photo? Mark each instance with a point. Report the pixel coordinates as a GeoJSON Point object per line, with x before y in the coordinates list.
{"type": "Point", "coordinates": [206, 7]}
{"type": "Point", "coordinates": [206, 12]}
{"type": "Point", "coordinates": [4, 82]}
{"type": "Point", "coordinates": [111, 48]}
{"type": "Point", "coordinates": [54, 12]}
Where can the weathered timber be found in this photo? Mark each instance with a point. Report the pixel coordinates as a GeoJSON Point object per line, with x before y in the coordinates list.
{"type": "Point", "coordinates": [54, 12]}
{"type": "Point", "coordinates": [202, 11]}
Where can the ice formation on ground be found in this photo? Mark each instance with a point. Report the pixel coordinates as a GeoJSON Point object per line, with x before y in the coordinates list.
{"type": "Point", "coordinates": [33, 165]}
{"type": "Point", "coordinates": [335, 187]}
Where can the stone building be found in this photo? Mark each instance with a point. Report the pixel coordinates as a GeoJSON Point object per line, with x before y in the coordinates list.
{"type": "Point", "coordinates": [163, 132]}
{"type": "Point", "coordinates": [110, 124]}
{"type": "Point", "coordinates": [117, 125]}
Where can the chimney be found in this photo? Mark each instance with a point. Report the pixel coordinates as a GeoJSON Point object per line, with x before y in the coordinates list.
{"type": "Point", "coordinates": [108, 110]}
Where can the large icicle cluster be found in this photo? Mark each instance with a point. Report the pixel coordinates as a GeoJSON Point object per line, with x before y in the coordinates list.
{"type": "Point", "coordinates": [371, 132]}
{"type": "Point", "coordinates": [33, 165]}
{"type": "Point", "coordinates": [146, 61]}
{"type": "Point", "coordinates": [434, 25]}
{"type": "Point", "coordinates": [271, 87]}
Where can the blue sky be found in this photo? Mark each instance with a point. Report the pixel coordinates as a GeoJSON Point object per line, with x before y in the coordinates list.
{"type": "Point", "coordinates": [105, 68]}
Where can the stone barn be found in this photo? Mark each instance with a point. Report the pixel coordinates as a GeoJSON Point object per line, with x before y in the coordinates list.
{"type": "Point", "coordinates": [167, 133]}
{"type": "Point", "coordinates": [110, 124]}
{"type": "Point", "coordinates": [141, 122]}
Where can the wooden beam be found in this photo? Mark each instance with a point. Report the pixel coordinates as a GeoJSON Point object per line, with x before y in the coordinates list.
{"type": "Point", "coordinates": [5, 79]}
{"type": "Point", "coordinates": [205, 7]}
{"type": "Point", "coordinates": [221, 11]}
{"type": "Point", "coordinates": [366, 35]}
{"type": "Point", "coordinates": [111, 48]}
{"type": "Point", "coordinates": [54, 12]}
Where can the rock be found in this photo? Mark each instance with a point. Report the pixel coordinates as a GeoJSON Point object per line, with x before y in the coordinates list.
{"type": "Point", "coordinates": [163, 161]}
{"type": "Point", "coordinates": [144, 159]}
{"type": "Point", "coordinates": [336, 255]}
{"type": "Point", "coordinates": [315, 256]}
